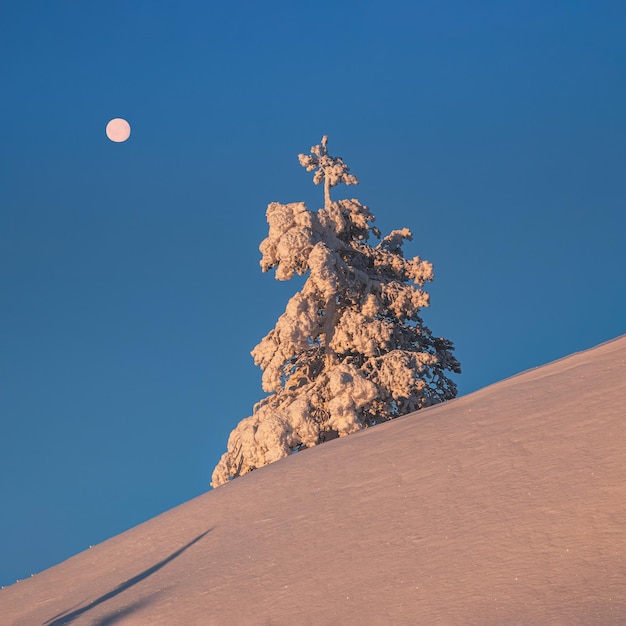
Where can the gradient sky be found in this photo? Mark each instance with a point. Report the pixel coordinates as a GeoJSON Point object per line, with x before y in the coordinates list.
{"type": "Point", "coordinates": [129, 273]}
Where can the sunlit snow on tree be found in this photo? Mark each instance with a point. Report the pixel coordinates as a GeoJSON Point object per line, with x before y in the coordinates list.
{"type": "Point", "coordinates": [350, 350]}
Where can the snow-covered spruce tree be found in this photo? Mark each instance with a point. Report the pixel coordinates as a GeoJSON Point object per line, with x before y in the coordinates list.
{"type": "Point", "coordinates": [351, 349]}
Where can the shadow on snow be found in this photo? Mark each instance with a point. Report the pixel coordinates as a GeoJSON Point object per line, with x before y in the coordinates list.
{"type": "Point", "coordinates": [66, 618]}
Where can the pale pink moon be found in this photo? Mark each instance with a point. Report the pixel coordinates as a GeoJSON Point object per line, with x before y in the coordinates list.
{"type": "Point", "coordinates": [118, 130]}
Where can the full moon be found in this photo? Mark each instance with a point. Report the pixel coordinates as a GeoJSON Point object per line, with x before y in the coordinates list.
{"type": "Point", "coordinates": [118, 130]}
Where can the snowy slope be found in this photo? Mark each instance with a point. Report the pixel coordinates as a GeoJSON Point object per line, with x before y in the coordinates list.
{"type": "Point", "coordinates": [507, 506]}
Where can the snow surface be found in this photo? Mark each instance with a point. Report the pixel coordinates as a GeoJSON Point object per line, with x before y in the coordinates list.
{"type": "Point", "coordinates": [506, 506]}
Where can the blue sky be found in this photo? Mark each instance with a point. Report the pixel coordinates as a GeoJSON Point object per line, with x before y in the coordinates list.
{"type": "Point", "coordinates": [129, 276]}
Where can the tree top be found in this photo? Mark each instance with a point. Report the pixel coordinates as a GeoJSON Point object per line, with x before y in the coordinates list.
{"type": "Point", "coordinates": [331, 170]}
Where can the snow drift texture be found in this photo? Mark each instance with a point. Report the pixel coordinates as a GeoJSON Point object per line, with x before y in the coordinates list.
{"type": "Point", "coordinates": [507, 506]}
{"type": "Point", "coordinates": [350, 350]}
